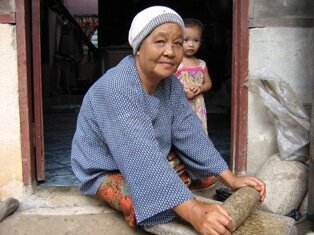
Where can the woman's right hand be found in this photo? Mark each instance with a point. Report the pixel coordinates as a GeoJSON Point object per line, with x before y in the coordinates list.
{"type": "Point", "coordinates": [206, 218]}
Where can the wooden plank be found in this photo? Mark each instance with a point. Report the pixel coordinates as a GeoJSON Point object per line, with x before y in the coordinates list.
{"type": "Point", "coordinates": [7, 18]}
{"type": "Point", "coordinates": [25, 97]}
{"type": "Point", "coordinates": [37, 91]}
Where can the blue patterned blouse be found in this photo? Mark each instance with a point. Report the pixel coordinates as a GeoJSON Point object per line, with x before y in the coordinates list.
{"type": "Point", "coordinates": [121, 127]}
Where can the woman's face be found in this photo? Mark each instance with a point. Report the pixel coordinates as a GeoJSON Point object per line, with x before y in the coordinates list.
{"type": "Point", "coordinates": [160, 53]}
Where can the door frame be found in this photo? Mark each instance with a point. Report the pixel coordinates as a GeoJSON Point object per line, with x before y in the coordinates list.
{"type": "Point", "coordinates": [37, 91]}
{"type": "Point", "coordinates": [29, 70]}
{"type": "Point", "coordinates": [24, 62]}
{"type": "Point", "coordinates": [239, 93]}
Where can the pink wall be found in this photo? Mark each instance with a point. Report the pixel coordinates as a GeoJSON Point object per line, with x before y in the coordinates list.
{"type": "Point", "coordinates": [81, 7]}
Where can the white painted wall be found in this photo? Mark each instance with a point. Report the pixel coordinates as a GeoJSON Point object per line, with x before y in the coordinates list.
{"type": "Point", "coordinates": [287, 54]}
{"type": "Point", "coordinates": [11, 181]}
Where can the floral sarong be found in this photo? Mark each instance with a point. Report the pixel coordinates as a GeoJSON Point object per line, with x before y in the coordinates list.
{"type": "Point", "coordinates": [114, 189]}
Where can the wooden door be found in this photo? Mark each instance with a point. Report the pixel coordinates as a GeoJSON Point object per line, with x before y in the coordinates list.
{"type": "Point", "coordinates": [37, 91]}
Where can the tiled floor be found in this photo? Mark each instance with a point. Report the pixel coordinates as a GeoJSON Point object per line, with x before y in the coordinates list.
{"type": "Point", "coordinates": [59, 127]}
{"type": "Point", "coordinates": [219, 127]}
{"type": "Point", "coordinates": [59, 130]}
{"type": "Point", "coordinates": [60, 114]}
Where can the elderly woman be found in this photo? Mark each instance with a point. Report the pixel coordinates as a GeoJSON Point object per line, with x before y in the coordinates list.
{"type": "Point", "coordinates": [128, 123]}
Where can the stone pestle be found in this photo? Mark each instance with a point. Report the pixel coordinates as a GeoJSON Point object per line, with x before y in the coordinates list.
{"type": "Point", "coordinates": [241, 204]}
{"type": "Point", "coordinates": [246, 219]}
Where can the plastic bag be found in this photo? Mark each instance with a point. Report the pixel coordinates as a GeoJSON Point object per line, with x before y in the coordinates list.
{"type": "Point", "coordinates": [290, 119]}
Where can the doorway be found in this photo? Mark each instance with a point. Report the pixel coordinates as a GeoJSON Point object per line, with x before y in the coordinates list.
{"type": "Point", "coordinates": [61, 101]}
{"type": "Point", "coordinates": [70, 62]}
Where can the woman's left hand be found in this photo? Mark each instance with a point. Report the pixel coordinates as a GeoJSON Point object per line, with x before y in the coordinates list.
{"type": "Point", "coordinates": [252, 181]}
{"type": "Point", "coordinates": [236, 182]}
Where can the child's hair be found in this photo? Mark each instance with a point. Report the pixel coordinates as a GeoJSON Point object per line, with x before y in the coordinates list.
{"type": "Point", "coordinates": [192, 22]}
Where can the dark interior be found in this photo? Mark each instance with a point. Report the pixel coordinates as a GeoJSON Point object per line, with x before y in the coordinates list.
{"type": "Point", "coordinates": [72, 66]}
{"type": "Point", "coordinates": [114, 23]}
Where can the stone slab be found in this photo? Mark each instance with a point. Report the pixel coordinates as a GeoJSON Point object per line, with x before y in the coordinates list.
{"type": "Point", "coordinates": [248, 220]}
{"type": "Point", "coordinates": [259, 223]}
{"type": "Point", "coordinates": [263, 223]}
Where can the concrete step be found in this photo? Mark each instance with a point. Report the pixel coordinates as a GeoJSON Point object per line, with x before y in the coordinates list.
{"type": "Point", "coordinates": [64, 211]}
{"type": "Point", "coordinates": [104, 220]}
{"type": "Point", "coordinates": [67, 221]}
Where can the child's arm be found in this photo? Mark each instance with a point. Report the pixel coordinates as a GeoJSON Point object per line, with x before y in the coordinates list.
{"type": "Point", "coordinates": [207, 84]}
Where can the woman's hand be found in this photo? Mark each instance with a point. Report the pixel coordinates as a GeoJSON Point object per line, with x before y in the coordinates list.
{"type": "Point", "coordinates": [252, 181]}
{"type": "Point", "coordinates": [206, 218]}
{"type": "Point", "coordinates": [236, 182]}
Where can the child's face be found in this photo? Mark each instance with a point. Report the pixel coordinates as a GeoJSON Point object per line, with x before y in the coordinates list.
{"type": "Point", "coordinates": [192, 40]}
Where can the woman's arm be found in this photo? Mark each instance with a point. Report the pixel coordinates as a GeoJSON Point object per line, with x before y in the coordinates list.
{"type": "Point", "coordinates": [236, 182]}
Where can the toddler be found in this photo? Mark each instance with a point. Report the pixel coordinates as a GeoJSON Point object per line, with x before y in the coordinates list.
{"type": "Point", "coordinates": [193, 72]}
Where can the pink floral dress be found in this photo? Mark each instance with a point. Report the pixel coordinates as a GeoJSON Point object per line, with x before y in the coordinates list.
{"type": "Point", "coordinates": [194, 75]}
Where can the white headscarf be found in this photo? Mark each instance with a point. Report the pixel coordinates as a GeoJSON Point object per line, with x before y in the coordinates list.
{"type": "Point", "coordinates": [147, 20]}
